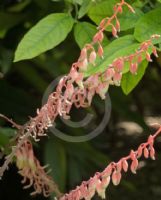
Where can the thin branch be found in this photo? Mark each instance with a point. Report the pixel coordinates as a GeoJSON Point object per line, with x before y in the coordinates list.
{"type": "Point", "coordinates": [17, 126]}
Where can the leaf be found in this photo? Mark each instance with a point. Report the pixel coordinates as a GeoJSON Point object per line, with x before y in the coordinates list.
{"type": "Point", "coordinates": [105, 9]}
{"type": "Point", "coordinates": [84, 8]}
{"type": "Point", "coordinates": [5, 135]}
{"type": "Point", "coordinates": [119, 47]}
{"type": "Point", "coordinates": [129, 81]}
{"type": "Point", "coordinates": [148, 25]}
{"type": "Point", "coordinates": [45, 35]}
{"type": "Point", "coordinates": [55, 156]}
{"type": "Point", "coordinates": [84, 32]}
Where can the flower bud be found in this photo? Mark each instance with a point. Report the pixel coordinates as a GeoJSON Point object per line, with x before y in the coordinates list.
{"type": "Point", "coordinates": [125, 165]}
{"type": "Point", "coordinates": [133, 68]}
{"type": "Point", "coordinates": [148, 57]}
{"type": "Point", "coordinates": [100, 51]}
{"type": "Point", "coordinates": [152, 152]}
{"type": "Point", "coordinates": [98, 37]}
{"type": "Point", "coordinates": [116, 178]}
{"type": "Point", "coordinates": [92, 57]}
{"type": "Point", "coordinates": [114, 32]}
{"type": "Point", "coordinates": [134, 166]}
{"type": "Point", "coordinates": [146, 153]}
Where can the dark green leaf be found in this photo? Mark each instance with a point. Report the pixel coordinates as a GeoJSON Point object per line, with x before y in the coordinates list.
{"type": "Point", "coordinates": [55, 156]}
{"type": "Point", "coordinates": [130, 81]}
{"type": "Point", "coordinates": [119, 47]}
{"type": "Point", "coordinates": [84, 32]}
{"type": "Point", "coordinates": [105, 9]}
{"type": "Point", "coordinates": [148, 25]}
{"type": "Point", "coordinates": [84, 8]}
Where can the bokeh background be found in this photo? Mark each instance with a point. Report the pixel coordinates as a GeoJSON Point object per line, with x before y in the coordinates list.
{"type": "Point", "coordinates": [22, 86]}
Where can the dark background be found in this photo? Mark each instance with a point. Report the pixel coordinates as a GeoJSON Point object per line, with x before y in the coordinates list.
{"type": "Point", "coordinates": [22, 86]}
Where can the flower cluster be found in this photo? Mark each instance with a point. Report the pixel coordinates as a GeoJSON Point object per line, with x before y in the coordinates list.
{"type": "Point", "coordinates": [76, 90]}
{"type": "Point", "coordinates": [33, 173]}
{"type": "Point", "coordinates": [113, 172]}
{"type": "Point", "coordinates": [72, 89]}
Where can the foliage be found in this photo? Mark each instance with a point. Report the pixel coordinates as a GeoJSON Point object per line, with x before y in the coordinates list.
{"type": "Point", "coordinates": [48, 37]}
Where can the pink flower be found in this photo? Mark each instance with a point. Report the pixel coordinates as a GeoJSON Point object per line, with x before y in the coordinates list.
{"type": "Point", "coordinates": [133, 68]}
{"type": "Point", "coordinates": [92, 57]}
{"type": "Point", "coordinates": [118, 64]}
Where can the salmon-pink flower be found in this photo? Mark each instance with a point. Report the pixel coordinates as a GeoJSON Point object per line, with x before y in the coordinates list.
{"type": "Point", "coordinates": [152, 153]}
{"type": "Point", "coordinates": [100, 190]}
{"type": "Point", "coordinates": [108, 74]}
{"type": "Point", "coordinates": [98, 37]}
{"type": "Point", "coordinates": [146, 153]}
{"type": "Point", "coordinates": [69, 91]}
{"type": "Point", "coordinates": [92, 57]}
{"type": "Point", "coordinates": [83, 65]}
{"type": "Point", "coordinates": [114, 31]}
{"type": "Point", "coordinates": [139, 152]}
{"type": "Point", "coordinates": [134, 166]}
{"type": "Point", "coordinates": [102, 89]}
{"type": "Point", "coordinates": [119, 166]}
{"type": "Point", "coordinates": [117, 25]}
{"type": "Point", "coordinates": [117, 78]}
{"type": "Point", "coordinates": [148, 57]}
{"type": "Point", "coordinates": [118, 64]}
{"type": "Point", "coordinates": [119, 9]}
{"type": "Point", "coordinates": [139, 59]}
{"type": "Point", "coordinates": [124, 165]}
{"type": "Point", "coordinates": [116, 177]}
{"type": "Point", "coordinates": [133, 68]}
{"type": "Point", "coordinates": [83, 54]}
{"type": "Point", "coordinates": [155, 51]}
{"type": "Point", "coordinates": [100, 51]}
{"type": "Point", "coordinates": [107, 172]}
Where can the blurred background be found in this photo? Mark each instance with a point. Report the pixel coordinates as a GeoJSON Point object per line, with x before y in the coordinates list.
{"type": "Point", "coordinates": [22, 86]}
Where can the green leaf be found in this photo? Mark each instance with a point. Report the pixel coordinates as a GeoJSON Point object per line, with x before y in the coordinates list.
{"type": "Point", "coordinates": [129, 81]}
{"type": "Point", "coordinates": [55, 156]}
{"type": "Point", "coordinates": [148, 25]}
{"type": "Point", "coordinates": [45, 35]}
{"type": "Point", "coordinates": [84, 8]}
{"type": "Point", "coordinates": [119, 47]}
{"type": "Point", "coordinates": [84, 32]}
{"type": "Point", "coordinates": [105, 9]}
{"type": "Point", "coordinates": [5, 135]}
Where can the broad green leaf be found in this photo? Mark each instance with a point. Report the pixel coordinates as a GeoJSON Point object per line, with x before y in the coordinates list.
{"type": "Point", "coordinates": [105, 9]}
{"type": "Point", "coordinates": [148, 25]}
{"type": "Point", "coordinates": [84, 32]}
{"type": "Point", "coordinates": [129, 81]}
{"type": "Point", "coordinates": [45, 35]}
{"type": "Point", "coordinates": [84, 8]}
{"type": "Point", "coordinates": [55, 156]}
{"type": "Point", "coordinates": [119, 47]}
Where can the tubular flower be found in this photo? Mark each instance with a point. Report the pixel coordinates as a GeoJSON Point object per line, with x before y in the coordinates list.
{"type": "Point", "coordinates": [33, 173]}
{"type": "Point", "coordinates": [113, 172]}
{"type": "Point", "coordinates": [76, 90]}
